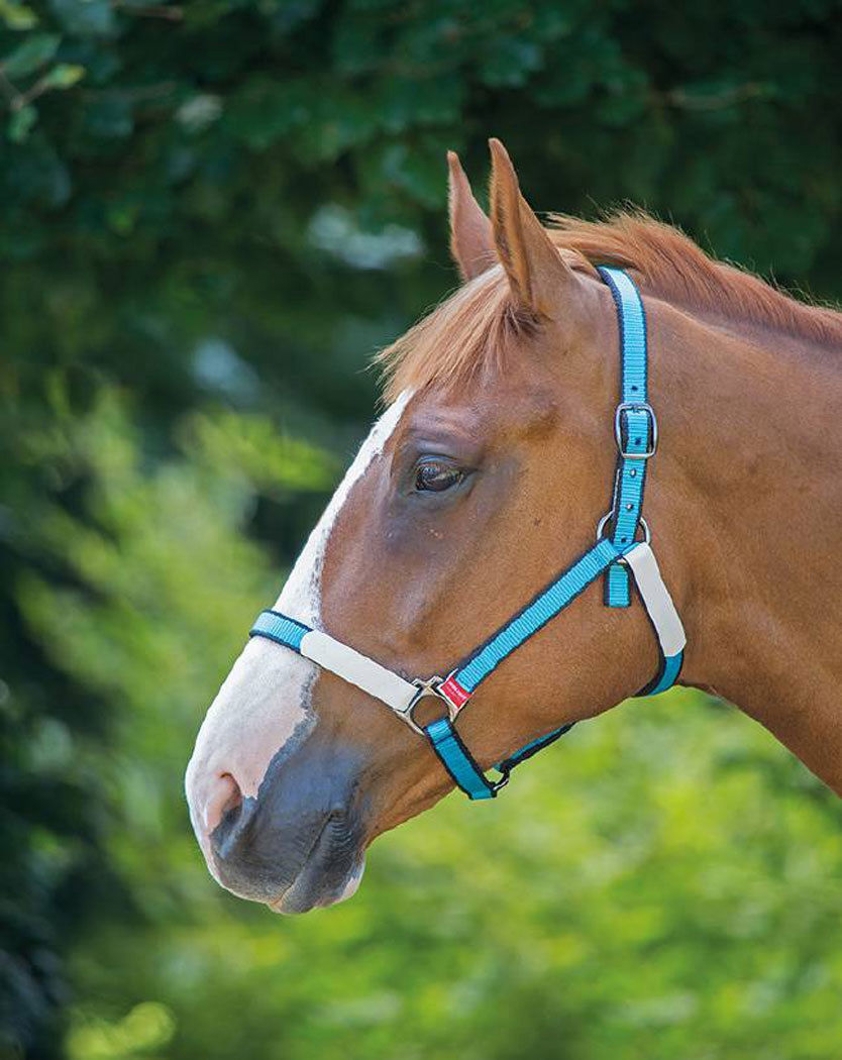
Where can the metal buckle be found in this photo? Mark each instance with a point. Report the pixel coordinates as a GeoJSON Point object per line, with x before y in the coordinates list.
{"type": "Point", "coordinates": [430, 687]}
{"type": "Point", "coordinates": [636, 406]}
{"type": "Point", "coordinates": [608, 517]}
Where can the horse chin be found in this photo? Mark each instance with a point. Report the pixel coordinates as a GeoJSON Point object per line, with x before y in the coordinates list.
{"type": "Point", "coordinates": [317, 887]}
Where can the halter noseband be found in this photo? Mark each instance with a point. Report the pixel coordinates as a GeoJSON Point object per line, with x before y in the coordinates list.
{"type": "Point", "coordinates": [619, 556]}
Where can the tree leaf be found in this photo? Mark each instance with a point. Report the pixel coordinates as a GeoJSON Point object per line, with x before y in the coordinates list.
{"type": "Point", "coordinates": [17, 16]}
{"type": "Point", "coordinates": [21, 122]}
{"type": "Point", "coordinates": [85, 18]}
{"type": "Point", "coordinates": [31, 55]}
{"type": "Point", "coordinates": [64, 75]}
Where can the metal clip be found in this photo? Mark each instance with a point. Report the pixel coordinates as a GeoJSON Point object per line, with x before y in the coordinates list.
{"type": "Point", "coordinates": [503, 779]}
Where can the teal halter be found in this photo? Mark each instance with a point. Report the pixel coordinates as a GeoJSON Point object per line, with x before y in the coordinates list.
{"type": "Point", "coordinates": [617, 555]}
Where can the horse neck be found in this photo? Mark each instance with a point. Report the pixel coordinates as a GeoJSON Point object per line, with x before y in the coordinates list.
{"type": "Point", "coordinates": [745, 498]}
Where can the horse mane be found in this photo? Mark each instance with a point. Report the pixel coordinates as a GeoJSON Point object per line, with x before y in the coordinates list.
{"type": "Point", "coordinates": [476, 326]}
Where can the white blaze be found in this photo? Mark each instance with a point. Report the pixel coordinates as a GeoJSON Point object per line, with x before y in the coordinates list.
{"type": "Point", "coordinates": [266, 696]}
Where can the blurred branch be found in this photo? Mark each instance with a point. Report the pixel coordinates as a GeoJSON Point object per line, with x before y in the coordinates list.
{"type": "Point", "coordinates": [727, 97]}
{"type": "Point", "coordinates": [169, 14]}
{"type": "Point", "coordinates": [9, 90]}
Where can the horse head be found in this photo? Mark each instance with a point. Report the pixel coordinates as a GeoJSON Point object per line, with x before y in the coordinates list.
{"type": "Point", "coordinates": [487, 473]}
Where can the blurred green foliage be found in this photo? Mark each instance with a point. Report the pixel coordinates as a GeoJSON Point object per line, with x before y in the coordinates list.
{"type": "Point", "coordinates": [211, 213]}
{"type": "Point", "coordinates": [665, 882]}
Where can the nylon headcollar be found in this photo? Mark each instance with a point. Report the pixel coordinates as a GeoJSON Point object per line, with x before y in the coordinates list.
{"type": "Point", "coordinates": [618, 555]}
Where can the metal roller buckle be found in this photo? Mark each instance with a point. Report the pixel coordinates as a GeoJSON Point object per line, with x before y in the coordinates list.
{"type": "Point", "coordinates": [624, 408]}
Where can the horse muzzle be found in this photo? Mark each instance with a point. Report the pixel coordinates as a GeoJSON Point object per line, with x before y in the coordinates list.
{"type": "Point", "coordinates": [300, 842]}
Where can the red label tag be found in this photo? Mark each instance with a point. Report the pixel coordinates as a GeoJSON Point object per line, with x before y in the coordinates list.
{"type": "Point", "coordinates": [457, 695]}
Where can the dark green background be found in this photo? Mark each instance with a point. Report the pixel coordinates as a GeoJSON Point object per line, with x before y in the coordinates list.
{"type": "Point", "coordinates": [210, 215]}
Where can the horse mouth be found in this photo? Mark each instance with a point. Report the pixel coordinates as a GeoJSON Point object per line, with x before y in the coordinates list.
{"type": "Point", "coordinates": [330, 873]}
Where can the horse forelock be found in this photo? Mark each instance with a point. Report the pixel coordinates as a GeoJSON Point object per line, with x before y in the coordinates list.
{"type": "Point", "coordinates": [474, 328]}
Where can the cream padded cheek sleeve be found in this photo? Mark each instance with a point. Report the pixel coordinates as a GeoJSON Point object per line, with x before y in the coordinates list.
{"type": "Point", "coordinates": [656, 599]}
{"type": "Point", "coordinates": [358, 669]}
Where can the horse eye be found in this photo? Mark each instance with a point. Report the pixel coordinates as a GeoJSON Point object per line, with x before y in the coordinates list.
{"type": "Point", "coordinates": [436, 476]}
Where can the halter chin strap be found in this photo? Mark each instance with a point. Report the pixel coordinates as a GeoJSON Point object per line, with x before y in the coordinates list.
{"type": "Point", "coordinates": [619, 557]}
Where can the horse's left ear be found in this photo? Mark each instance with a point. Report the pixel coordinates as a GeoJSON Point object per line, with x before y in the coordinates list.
{"type": "Point", "coordinates": [537, 274]}
{"type": "Point", "coordinates": [471, 241]}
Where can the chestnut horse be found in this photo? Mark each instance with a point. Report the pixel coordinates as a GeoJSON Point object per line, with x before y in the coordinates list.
{"type": "Point", "coordinates": [485, 477]}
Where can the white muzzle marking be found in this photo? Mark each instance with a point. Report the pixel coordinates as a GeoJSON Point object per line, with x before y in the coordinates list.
{"type": "Point", "coordinates": [267, 695]}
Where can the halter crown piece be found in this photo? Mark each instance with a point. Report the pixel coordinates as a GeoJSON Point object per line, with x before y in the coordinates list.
{"type": "Point", "coordinates": [618, 555]}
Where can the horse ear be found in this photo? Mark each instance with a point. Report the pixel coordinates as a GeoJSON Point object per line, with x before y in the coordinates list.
{"type": "Point", "coordinates": [537, 274]}
{"type": "Point", "coordinates": [471, 241]}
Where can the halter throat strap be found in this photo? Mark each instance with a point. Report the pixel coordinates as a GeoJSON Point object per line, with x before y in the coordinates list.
{"type": "Point", "coordinates": [617, 556]}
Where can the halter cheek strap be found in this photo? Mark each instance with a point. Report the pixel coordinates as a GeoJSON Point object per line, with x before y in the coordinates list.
{"type": "Point", "coordinates": [635, 429]}
{"type": "Point", "coordinates": [620, 557]}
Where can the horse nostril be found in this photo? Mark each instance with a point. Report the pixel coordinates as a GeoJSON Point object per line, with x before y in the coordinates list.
{"type": "Point", "coordinates": [224, 797]}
